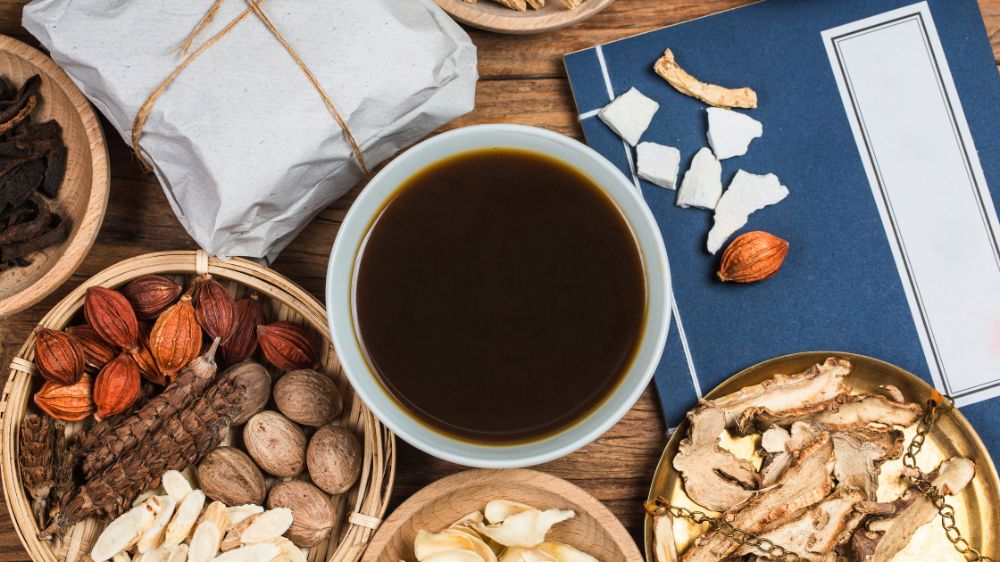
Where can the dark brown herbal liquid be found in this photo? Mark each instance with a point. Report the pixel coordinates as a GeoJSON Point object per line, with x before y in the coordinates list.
{"type": "Point", "coordinates": [500, 296]}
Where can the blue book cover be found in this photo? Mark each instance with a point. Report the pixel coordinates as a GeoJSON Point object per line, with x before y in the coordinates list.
{"type": "Point", "coordinates": [881, 118]}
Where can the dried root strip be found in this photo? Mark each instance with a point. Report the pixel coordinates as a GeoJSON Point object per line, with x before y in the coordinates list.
{"type": "Point", "coordinates": [711, 94]}
{"type": "Point", "coordinates": [519, 5]}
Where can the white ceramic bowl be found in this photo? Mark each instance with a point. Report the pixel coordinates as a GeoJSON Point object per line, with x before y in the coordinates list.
{"type": "Point", "coordinates": [348, 246]}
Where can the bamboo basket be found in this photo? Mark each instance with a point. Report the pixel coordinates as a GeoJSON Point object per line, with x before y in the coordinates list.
{"type": "Point", "coordinates": [360, 510]}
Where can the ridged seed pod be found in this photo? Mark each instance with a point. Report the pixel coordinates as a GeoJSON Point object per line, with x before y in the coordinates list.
{"type": "Point", "coordinates": [286, 345]}
{"type": "Point", "coordinates": [110, 315]}
{"type": "Point", "coordinates": [96, 352]}
{"type": "Point", "coordinates": [59, 356]}
{"type": "Point", "coordinates": [176, 337]}
{"type": "Point", "coordinates": [69, 403]}
{"type": "Point", "coordinates": [214, 308]}
{"type": "Point", "coordinates": [117, 386]}
{"type": "Point", "coordinates": [242, 342]}
{"type": "Point", "coordinates": [151, 295]}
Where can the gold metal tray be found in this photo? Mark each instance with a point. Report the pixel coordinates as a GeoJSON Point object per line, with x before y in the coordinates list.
{"type": "Point", "coordinates": [977, 508]}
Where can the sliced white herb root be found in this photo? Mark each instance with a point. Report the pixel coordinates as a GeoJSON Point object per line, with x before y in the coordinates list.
{"type": "Point", "coordinates": [526, 529]}
{"type": "Point", "coordinates": [730, 132]}
{"type": "Point", "coordinates": [658, 164]}
{"type": "Point", "coordinates": [123, 532]}
{"type": "Point", "coordinates": [498, 510]}
{"type": "Point", "coordinates": [564, 553]}
{"type": "Point", "coordinates": [746, 194]}
{"type": "Point", "coordinates": [184, 518]}
{"type": "Point", "coordinates": [702, 183]}
{"type": "Point", "coordinates": [153, 537]}
{"type": "Point", "coordinates": [176, 485]}
{"type": "Point", "coordinates": [454, 556]}
{"type": "Point", "coordinates": [516, 554]}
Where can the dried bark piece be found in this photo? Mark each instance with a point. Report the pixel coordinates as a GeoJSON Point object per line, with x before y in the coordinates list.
{"type": "Point", "coordinates": [807, 481]}
{"type": "Point", "coordinates": [18, 179]}
{"type": "Point", "coordinates": [17, 253]}
{"type": "Point", "coordinates": [22, 106]}
{"type": "Point", "coordinates": [55, 172]}
{"type": "Point", "coordinates": [35, 460]}
{"type": "Point", "coordinates": [713, 477]}
{"type": "Point", "coordinates": [843, 412]}
{"type": "Point", "coordinates": [34, 220]}
{"type": "Point", "coordinates": [106, 442]}
{"type": "Point", "coordinates": [711, 94]}
{"type": "Point", "coordinates": [781, 392]}
{"type": "Point", "coordinates": [181, 440]}
{"type": "Point", "coordinates": [519, 5]}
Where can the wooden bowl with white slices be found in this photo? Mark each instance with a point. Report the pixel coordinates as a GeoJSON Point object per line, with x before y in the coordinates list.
{"type": "Point", "coordinates": [493, 16]}
{"type": "Point", "coordinates": [976, 507]}
{"type": "Point", "coordinates": [593, 529]}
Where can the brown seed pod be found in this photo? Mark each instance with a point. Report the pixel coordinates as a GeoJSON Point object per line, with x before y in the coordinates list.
{"type": "Point", "coordinates": [111, 316]}
{"type": "Point", "coordinates": [96, 352]}
{"type": "Point", "coordinates": [176, 337]}
{"type": "Point", "coordinates": [313, 515]}
{"type": "Point", "coordinates": [59, 356]}
{"type": "Point", "coordinates": [66, 402]}
{"type": "Point", "coordinates": [228, 475]}
{"type": "Point", "coordinates": [752, 257]}
{"type": "Point", "coordinates": [286, 345]}
{"type": "Point", "coordinates": [117, 386]}
{"type": "Point", "coordinates": [334, 458]}
{"type": "Point", "coordinates": [257, 382]}
{"type": "Point", "coordinates": [147, 365]}
{"type": "Point", "coordinates": [308, 397]}
{"type": "Point", "coordinates": [214, 308]}
{"type": "Point", "coordinates": [242, 343]}
{"type": "Point", "coordinates": [275, 443]}
{"type": "Point", "coordinates": [150, 295]}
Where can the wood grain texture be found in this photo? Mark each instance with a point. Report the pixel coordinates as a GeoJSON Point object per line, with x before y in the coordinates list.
{"type": "Point", "coordinates": [523, 81]}
{"type": "Point", "coordinates": [594, 529]}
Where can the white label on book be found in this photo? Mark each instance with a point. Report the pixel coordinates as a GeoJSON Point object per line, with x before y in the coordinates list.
{"type": "Point", "coordinates": [928, 184]}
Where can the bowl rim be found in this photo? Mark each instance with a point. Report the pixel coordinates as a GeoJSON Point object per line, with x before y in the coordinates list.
{"type": "Point", "coordinates": [341, 270]}
{"type": "Point", "coordinates": [80, 242]}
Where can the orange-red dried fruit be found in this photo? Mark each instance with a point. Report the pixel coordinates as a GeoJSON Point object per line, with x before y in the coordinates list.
{"type": "Point", "coordinates": [150, 295]}
{"type": "Point", "coordinates": [110, 315]}
{"type": "Point", "coordinates": [214, 308]}
{"type": "Point", "coordinates": [242, 343]}
{"type": "Point", "coordinates": [117, 386]}
{"type": "Point", "coordinates": [146, 364]}
{"type": "Point", "coordinates": [69, 403]}
{"type": "Point", "coordinates": [176, 337]}
{"type": "Point", "coordinates": [59, 356]}
{"type": "Point", "coordinates": [96, 352]}
{"type": "Point", "coordinates": [286, 345]}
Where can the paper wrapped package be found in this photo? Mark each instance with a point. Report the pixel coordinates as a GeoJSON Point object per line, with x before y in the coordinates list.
{"type": "Point", "coordinates": [243, 144]}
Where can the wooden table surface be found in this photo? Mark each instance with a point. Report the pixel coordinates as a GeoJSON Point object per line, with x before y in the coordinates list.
{"type": "Point", "coordinates": [522, 81]}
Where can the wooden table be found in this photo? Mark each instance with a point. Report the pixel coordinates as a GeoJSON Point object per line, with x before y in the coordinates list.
{"type": "Point", "coordinates": [522, 81]}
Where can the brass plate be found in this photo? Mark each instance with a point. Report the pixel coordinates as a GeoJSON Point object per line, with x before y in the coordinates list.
{"type": "Point", "coordinates": [977, 508]}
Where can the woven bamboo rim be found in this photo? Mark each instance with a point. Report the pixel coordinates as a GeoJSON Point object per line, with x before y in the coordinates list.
{"type": "Point", "coordinates": [360, 510]}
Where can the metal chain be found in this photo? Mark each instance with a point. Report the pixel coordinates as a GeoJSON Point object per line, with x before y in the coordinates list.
{"type": "Point", "coordinates": [927, 488]}
{"type": "Point", "coordinates": [661, 506]}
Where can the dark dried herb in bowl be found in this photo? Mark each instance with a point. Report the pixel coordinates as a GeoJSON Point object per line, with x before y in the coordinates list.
{"type": "Point", "coordinates": [32, 164]}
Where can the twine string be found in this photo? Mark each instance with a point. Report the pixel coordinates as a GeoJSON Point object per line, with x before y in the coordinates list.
{"type": "Point", "coordinates": [206, 20]}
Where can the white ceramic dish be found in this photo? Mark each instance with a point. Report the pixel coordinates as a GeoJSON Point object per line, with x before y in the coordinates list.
{"type": "Point", "coordinates": [348, 246]}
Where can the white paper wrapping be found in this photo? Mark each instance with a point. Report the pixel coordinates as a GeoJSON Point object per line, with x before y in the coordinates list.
{"type": "Point", "coordinates": [241, 142]}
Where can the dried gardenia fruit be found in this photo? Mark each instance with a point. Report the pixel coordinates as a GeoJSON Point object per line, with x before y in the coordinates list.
{"type": "Point", "coordinates": [242, 344]}
{"type": "Point", "coordinates": [146, 364]}
{"type": "Point", "coordinates": [111, 316]}
{"type": "Point", "coordinates": [215, 308]}
{"type": "Point", "coordinates": [752, 257]}
{"type": "Point", "coordinates": [117, 387]}
{"type": "Point", "coordinates": [58, 356]}
{"type": "Point", "coordinates": [66, 402]}
{"type": "Point", "coordinates": [96, 352]}
{"type": "Point", "coordinates": [176, 337]}
{"type": "Point", "coordinates": [151, 294]}
{"type": "Point", "coordinates": [286, 345]}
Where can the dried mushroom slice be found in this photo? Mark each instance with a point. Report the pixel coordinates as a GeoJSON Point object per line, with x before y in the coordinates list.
{"type": "Point", "coordinates": [816, 531]}
{"type": "Point", "coordinates": [886, 534]}
{"type": "Point", "coordinates": [842, 413]}
{"type": "Point", "coordinates": [713, 477]}
{"type": "Point", "coordinates": [806, 481]}
{"type": "Point", "coordinates": [818, 383]}
{"type": "Point", "coordinates": [23, 104]}
{"type": "Point", "coordinates": [781, 447]}
{"type": "Point", "coordinates": [860, 454]}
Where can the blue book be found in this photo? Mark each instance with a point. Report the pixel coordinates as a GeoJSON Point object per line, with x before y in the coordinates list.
{"type": "Point", "coordinates": [881, 118]}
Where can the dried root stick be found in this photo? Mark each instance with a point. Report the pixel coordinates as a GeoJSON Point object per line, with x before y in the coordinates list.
{"type": "Point", "coordinates": [711, 94]}
{"type": "Point", "coordinates": [519, 5]}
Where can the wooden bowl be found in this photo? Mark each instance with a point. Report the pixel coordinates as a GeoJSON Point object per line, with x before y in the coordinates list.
{"type": "Point", "coordinates": [594, 530]}
{"type": "Point", "coordinates": [360, 509]}
{"type": "Point", "coordinates": [84, 193]}
{"type": "Point", "coordinates": [488, 15]}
